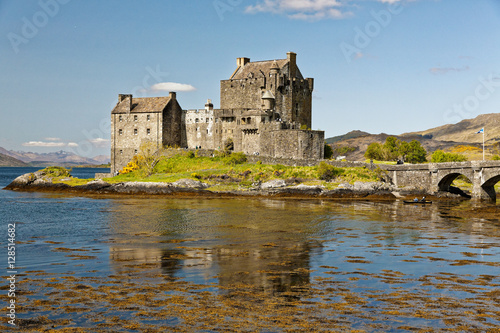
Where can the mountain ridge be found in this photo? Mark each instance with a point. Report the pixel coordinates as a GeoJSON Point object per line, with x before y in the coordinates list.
{"type": "Point", "coordinates": [443, 137]}
{"type": "Point", "coordinates": [59, 158]}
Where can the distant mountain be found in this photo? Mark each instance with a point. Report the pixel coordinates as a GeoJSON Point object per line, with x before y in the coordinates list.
{"type": "Point", "coordinates": [466, 130]}
{"type": "Point", "coordinates": [60, 158]}
{"type": "Point", "coordinates": [353, 145]}
{"type": "Point", "coordinates": [7, 161]}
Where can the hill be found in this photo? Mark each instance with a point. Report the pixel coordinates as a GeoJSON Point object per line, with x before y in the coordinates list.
{"type": "Point", "coordinates": [448, 137]}
{"type": "Point", "coordinates": [7, 161]}
{"type": "Point", "coordinates": [350, 135]}
{"type": "Point", "coordinates": [466, 130]}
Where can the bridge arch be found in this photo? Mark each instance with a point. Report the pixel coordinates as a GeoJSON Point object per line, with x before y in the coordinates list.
{"type": "Point", "coordinates": [489, 186]}
{"type": "Point", "coordinates": [448, 179]}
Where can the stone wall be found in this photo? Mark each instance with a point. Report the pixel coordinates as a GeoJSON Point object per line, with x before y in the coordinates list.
{"type": "Point", "coordinates": [129, 131]}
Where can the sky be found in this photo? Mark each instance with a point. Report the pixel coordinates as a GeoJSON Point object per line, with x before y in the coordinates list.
{"type": "Point", "coordinates": [380, 66]}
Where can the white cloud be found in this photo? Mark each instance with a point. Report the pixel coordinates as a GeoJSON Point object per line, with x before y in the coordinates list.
{"type": "Point", "coordinates": [100, 142]}
{"type": "Point", "coordinates": [52, 139]}
{"type": "Point", "coordinates": [442, 71]}
{"type": "Point", "coordinates": [172, 86]}
{"type": "Point", "coordinates": [389, 1]}
{"type": "Point", "coordinates": [72, 144]}
{"type": "Point", "coordinates": [43, 144]}
{"type": "Point", "coordinates": [309, 10]}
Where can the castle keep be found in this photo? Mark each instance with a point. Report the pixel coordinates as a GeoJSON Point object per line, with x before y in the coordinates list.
{"type": "Point", "coordinates": [266, 109]}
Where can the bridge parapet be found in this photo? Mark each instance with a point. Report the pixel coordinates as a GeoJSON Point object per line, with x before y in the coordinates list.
{"type": "Point", "coordinates": [434, 177]}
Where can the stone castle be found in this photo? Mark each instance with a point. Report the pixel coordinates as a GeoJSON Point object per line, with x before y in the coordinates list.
{"type": "Point", "coordinates": [265, 110]}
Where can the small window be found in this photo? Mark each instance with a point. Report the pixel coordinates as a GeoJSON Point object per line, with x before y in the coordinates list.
{"type": "Point", "coordinates": [135, 118]}
{"type": "Point", "coordinates": [120, 132]}
{"type": "Point", "coordinates": [207, 131]}
{"type": "Point", "coordinates": [197, 120]}
{"type": "Point", "coordinates": [120, 119]}
{"type": "Point", "coordinates": [149, 117]}
{"type": "Point", "coordinates": [135, 131]}
{"type": "Point", "coordinates": [207, 120]}
{"type": "Point", "coordinates": [121, 152]}
{"type": "Point", "coordinates": [135, 151]}
{"type": "Point", "coordinates": [149, 131]}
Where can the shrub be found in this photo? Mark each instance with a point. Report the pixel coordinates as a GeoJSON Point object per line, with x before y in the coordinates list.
{"type": "Point", "coordinates": [496, 158]}
{"type": "Point", "coordinates": [190, 154]}
{"type": "Point", "coordinates": [440, 156]}
{"type": "Point", "coordinates": [328, 172]}
{"type": "Point", "coordinates": [235, 158]}
{"type": "Point", "coordinates": [195, 176]}
{"type": "Point", "coordinates": [56, 171]}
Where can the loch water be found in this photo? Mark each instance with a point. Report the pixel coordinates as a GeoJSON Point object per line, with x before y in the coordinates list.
{"type": "Point", "coordinates": [161, 264]}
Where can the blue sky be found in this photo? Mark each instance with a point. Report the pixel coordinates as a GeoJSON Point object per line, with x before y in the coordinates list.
{"type": "Point", "coordinates": [379, 65]}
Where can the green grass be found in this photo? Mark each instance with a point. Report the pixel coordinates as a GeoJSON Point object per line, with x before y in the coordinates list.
{"type": "Point", "coordinates": [213, 170]}
{"type": "Point", "coordinates": [225, 173]}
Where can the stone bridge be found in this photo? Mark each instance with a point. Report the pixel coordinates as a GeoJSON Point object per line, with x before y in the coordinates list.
{"type": "Point", "coordinates": [435, 177]}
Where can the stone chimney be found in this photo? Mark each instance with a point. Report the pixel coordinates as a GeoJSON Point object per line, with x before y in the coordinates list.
{"type": "Point", "coordinates": [292, 59]}
{"type": "Point", "coordinates": [173, 95]}
{"type": "Point", "coordinates": [122, 97]}
{"type": "Point", "coordinates": [209, 106]}
{"type": "Point", "coordinates": [240, 62]}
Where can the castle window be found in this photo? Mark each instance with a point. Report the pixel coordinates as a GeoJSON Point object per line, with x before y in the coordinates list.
{"type": "Point", "coordinates": [135, 118]}
{"type": "Point", "coordinates": [197, 120]}
{"type": "Point", "coordinates": [207, 131]}
{"type": "Point", "coordinates": [207, 120]}
{"type": "Point", "coordinates": [135, 131]}
{"type": "Point", "coordinates": [135, 151]}
{"type": "Point", "coordinates": [121, 152]}
{"type": "Point", "coordinates": [249, 120]}
{"type": "Point", "coordinates": [216, 120]}
{"type": "Point", "coordinates": [149, 131]}
{"type": "Point", "coordinates": [120, 119]}
{"type": "Point", "coordinates": [149, 117]}
{"type": "Point", "coordinates": [243, 121]}
{"type": "Point", "coordinates": [120, 132]}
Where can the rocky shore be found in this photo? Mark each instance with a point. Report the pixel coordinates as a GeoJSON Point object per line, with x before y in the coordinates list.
{"type": "Point", "coordinates": [39, 182]}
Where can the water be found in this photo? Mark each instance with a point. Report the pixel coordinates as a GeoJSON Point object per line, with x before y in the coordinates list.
{"type": "Point", "coordinates": [166, 264]}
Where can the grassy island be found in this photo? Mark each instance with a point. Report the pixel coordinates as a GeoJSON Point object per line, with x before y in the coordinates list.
{"type": "Point", "coordinates": [226, 171]}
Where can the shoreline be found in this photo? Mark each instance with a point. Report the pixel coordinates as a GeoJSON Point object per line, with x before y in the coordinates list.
{"type": "Point", "coordinates": [376, 191]}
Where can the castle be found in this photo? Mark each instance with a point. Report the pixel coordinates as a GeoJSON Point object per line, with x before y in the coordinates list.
{"type": "Point", "coordinates": [265, 110]}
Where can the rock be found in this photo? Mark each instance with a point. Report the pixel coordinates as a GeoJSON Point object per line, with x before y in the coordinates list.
{"type": "Point", "coordinates": [190, 183]}
{"type": "Point", "coordinates": [275, 183]}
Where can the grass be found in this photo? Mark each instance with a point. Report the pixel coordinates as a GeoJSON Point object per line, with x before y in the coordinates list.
{"type": "Point", "coordinates": [229, 172]}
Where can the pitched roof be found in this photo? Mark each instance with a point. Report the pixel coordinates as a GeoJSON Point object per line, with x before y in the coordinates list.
{"type": "Point", "coordinates": [145, 104]}
{"type": "Point", "coordinates": [255, 69]}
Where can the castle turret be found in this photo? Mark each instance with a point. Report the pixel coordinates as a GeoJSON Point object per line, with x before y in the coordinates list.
{"type": "Point", "coordinates": [268, 100]}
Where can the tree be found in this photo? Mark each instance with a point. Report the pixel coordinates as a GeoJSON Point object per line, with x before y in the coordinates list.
{"type": "Point", "coordinates": [413, 152]}
{"type": "Point", "coordinates": [328, 151]}
{"type": "Point", "coordinates": [374, 151]}
{"type": "Point", "coordinates": [149, 156]}
{"type": "Point", "coordinates": [391, 148]}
